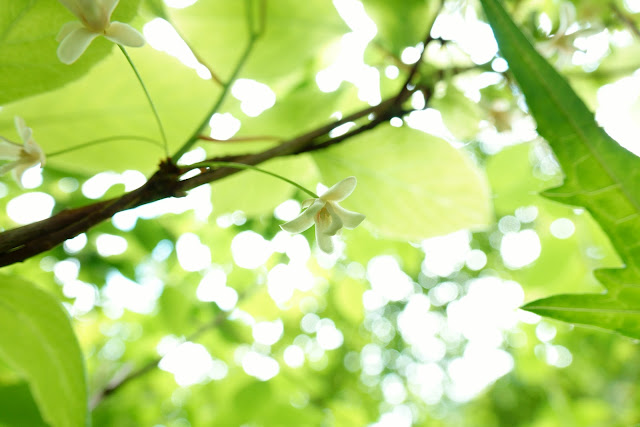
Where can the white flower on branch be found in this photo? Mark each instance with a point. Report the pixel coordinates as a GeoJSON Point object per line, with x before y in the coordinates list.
{"type": "Point", "coordinates": [95, 20]}
{"type": "Point", "coordinates": [562, 42]}
{"type": "Point", "coordinates": [328, 216]}
{"type": "Point", "coordinates": [23, 156]}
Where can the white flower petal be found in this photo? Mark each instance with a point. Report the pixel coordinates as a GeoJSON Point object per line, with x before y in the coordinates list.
{"type": "Point", "coordinates": [74, 6]}
{"type": "Point", "coordinates": [19, 170]}
{"type": "Point", "coordinates": [304, 220]}
{"type": "Point", "coordinates": [334, 223]}
{"type": "Point", "coordinates": [75, 44]}
{"type": "Point", "coordinates": [23, 130]}
{"type": "Point", "coordinates": [325, 242]}
{"type": "Point", "coordinates": [7, 167]}
{"type": "Point", "coordinates": [307, 203]}
{"type": "Point", "coordinates": [124, 34]}
{"type": "Point", "coordinates": [67, 29]}
{"type": "Point", "coordinates": [109, 6]}
{"type": "Point", "coordinates": [35, 153]}
{"type": "Point", "coordinates": [9, 150]}
{"type": "Point", "coordinates": [341, 190]}
{"type": "Point", "coordinates": [349, 219]}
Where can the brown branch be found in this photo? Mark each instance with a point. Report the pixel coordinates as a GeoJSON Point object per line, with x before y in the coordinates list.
{"type": "Point", "coordinates": [626, 20]}
{"type": "Point", "coordinates": [24, 242]}
{"type": "Point", "coordinates": [125, 375]}
{"type": "Point", "coordinates": [241, 139]}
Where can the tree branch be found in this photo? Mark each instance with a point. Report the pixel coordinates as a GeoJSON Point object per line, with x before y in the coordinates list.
{"type": "Point", "coordinates": [125, 375]}
{"type": "Point", "coordinates": [24, 242]}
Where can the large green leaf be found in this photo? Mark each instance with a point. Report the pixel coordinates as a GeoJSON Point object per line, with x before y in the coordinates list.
{"type": "Point", "coordinates": [400, 23]}
{"type": "Point", "coordinates": [28, 60]}
{"type": "Point", "coordinates": [411, 185]}
{"type": "Point", "coordinates": [108, 102]}
{"type": "Point", "coordinates": [260, 194]}
{"type": "Point", "coordinates": [38, 341]}
{"type": "Point", "coordinates": [600, 175]}
{"type": "Point", "coordinates": [294, 33]}
{"type": "Point", "coordinates": [17, 407]}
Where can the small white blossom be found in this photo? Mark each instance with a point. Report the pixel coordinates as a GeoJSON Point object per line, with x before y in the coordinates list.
{"type": "Point", "coordinates": [95, 20]}
{"type": "Point", "coordinates": [561, 43]}
{"type": "Point", "coordinates": [23, 156]}
{"type": "Point", "coordinates": [328, 216]}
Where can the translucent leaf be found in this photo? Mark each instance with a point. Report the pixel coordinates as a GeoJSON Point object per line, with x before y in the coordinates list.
{"type": "Point", "coordinates": [459, 113]}
{"type": "Point", "coordinates": [294, 33]}
{"type": "Point", "coordinates": [28, 61]}
{"type": "Point", "coordinates": [410, 185]}
{"type": "Point", "coordinates": [109, 102]}
{"type": "Point", "coordinates": [38, 341]}
{"type": "Point", "coordinates": [255, 193]}
{"type": "Point", "coordinates": [400, 24]}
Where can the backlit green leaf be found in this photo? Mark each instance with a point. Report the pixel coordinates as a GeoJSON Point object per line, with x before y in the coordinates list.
{"type": "Point", "coordinates": [109, 102]}
{"type": "Point", "coordinates": [410, 184]}
{"type": "Point", "coordinates": [294, 34]}
{"type": "Point", "coordinates": [28, 60]}
{"type": "Point", "coordinates": [38, 342]}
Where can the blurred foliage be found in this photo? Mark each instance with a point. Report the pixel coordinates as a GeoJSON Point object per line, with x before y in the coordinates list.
{"type": "Point", "coordinates": [213, 316]}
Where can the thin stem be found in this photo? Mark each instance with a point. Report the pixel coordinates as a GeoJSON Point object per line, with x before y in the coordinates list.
{"type": "Point", "coordinates": [253, 36]}
{"type": "Point", "coordinates": [100, 141]}
{"type": "Point", "coordinates": [146, 92]}
{"type": "Point", "coordinates": [214, 75]}
{"type": "Point", "coordinates": [625, 19]}
{"type": "Point", "coordinates": [241, 139]}
{"type": "Point", "coordinates": [255, 168]}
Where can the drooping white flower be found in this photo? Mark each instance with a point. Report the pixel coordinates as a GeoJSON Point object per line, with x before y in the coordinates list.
{"type": "Point", "coordinates": [95, 20]}
{"type": "Point", "coordinates": [328, 216]}
{"type": "Point", "coordinates": [562, 42]}
{"type": "Point", "coordinates": [23, 156]}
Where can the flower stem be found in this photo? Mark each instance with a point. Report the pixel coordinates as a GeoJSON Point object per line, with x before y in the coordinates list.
{"type": "Point", "coordinates": [100, 141]}
{"type": "Point", "coordinates": [253, 37]}
{"type": "Point", "coordinates": [146, 92]}
{"type": "Point", "coordinates": [255, 168]}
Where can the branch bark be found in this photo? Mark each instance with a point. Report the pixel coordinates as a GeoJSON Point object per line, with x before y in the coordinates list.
{"type": "Point", "coordinates": [22, 243]}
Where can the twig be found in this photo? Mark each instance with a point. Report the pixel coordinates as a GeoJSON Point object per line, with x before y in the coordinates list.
{"type": "Point", "coordinates": [624, 18]}
{"type": "Point", "coordinates": [241, 139]}
{"type": "Point", "coordinates": [253, 38]}
{"type": "Point", "coordinates": [21, 243]}
{"type": "Point", "coordinates": [124, 376]}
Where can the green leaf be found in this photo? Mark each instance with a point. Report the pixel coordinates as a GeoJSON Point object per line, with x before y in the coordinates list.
{"type": "Point", "coordinates": [28, 61]}
{"type": "Point", "coordinates": [255, 193]}
{"type": "Point", "coordinates": [109, 102]}
{"type": "Point", "coordinates": [411, 185]}
{"type": "Point", "coordinates": [17, 407]}
{"type": "Point", "coordinates": [38, 341]}
{"type": "Point", "coordinates": [295, 32]}
{"type": "Point", "coordinates": [600, 175]}
{"type": "Point", "coordinates": [401, 23]}
{"type": "Point", "coordinates": [460, 114]}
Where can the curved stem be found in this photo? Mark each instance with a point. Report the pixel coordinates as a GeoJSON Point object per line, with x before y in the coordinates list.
{"type": "Point", "coordinates": [255, 168]}
{"type": "Point", "coordinates": [253, 36]}
{"type": "Point", "coordinates": [100, 141]}
{"type": "Point", "coordinates": [146, 92]}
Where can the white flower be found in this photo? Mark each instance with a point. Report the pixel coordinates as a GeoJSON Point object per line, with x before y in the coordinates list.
{"type": "Point", "coordinates": [95, 20]}
{"type": "Point", "coordinates": [328, 216]}
{"type": "Point", "coordinates": [561, 43]}
{"type": "Point", "coordinates": [23, 156]}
